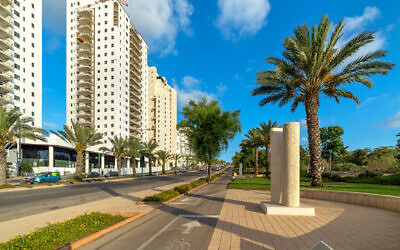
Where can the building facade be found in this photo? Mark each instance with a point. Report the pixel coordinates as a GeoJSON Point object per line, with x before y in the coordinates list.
{"type": "Point", "coordinates": [162, 114]}
{"type": "Point", "coordinates": [21, 57]}
{"type": "Point", "coordinates": [106, 69]}
{"type": "Point", "coordinates": [183, 149]}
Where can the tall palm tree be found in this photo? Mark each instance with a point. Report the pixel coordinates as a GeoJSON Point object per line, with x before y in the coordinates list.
{"type": "Point", "coordinates": [80, 137]}
{"type": "Point", "coordinates": [148, 151]}
{"type": "Point", "coordinates": [164, 156]}
{"type": "Point", "coordinates": [133, 148]}
{"type": "Point", "coordinates": [118, 150]}
{"type": "Point", "coordinates": [265, 130]}
{"type": "Point", "coordinates": [176, 158]}
{"type": "Point", "coordinates": [313, 65]}
{"type": "Point", "coordinates": [13, 126]}
{"type": "Point", "coordinates": [254, 140]}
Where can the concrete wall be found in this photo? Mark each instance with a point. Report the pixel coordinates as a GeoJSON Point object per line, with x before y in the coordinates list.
{"type": "Point", "coordinates": [370, 200]}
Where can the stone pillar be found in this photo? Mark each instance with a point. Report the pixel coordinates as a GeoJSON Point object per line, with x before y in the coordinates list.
{"type": "Point", "coordinates": [241, 170]}
{"type": "Point", "coordinates": [276, 165]}
{"type": "Point", "coordinates": [291, 173]}
{"type": "Point", "coordinates": [51, 158]}
{"type": "Point", "coordinates": [87, 162]}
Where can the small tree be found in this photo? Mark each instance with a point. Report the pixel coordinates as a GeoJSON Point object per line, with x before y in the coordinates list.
{"type": "Point", "coordinates": [265, 129]}
{"type": "Point", "coordinates": [118, 150]}
{"type": "Point", "coordinates": [148, 151]}
{"type": "Point", "coordinates": [133, 148]}
{"type": "Point", "coordinates": [254, 139]}
{"type": "Point", "coordinates": [176, 158]}
{"type": "Point", "coordinates": [164, 156]}
{"type": "Point", "coordinates": [26, 168]}
{"type": "Point", "coordinates": [209, 129]}
{"type": "Point", "coordinates": [331, 142]}
{"type": "Point", "coordinates": [80, 137]}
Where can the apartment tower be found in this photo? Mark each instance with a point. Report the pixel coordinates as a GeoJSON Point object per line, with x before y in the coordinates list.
{"type": "Point", "coordinates": [162, 112]}
{"type": "Point", "coordinates": [21, 57]}
{"type": "Point", "coordinates": [106, 69]}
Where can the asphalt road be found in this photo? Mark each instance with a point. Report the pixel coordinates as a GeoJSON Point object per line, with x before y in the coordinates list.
{"type": "Point", "coordinates": [187, 223]}
{"type": "Point", "coordinates": [17, 204]}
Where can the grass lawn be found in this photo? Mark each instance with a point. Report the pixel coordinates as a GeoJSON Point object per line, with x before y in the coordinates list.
{"type": "Point", "coordinates": [262, 183]}
{"type": "Point", "coordinates": [56, 235]}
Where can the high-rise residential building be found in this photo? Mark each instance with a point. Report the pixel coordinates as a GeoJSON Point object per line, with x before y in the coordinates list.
{"type": "Point", "coordinates": [106, 69]}
{"type": "Point", "coordinates": [21, 57]}
{"type": "Point", "coordinates": [182, 147]}
{"type": "Point", "coordinates": [162, 112]}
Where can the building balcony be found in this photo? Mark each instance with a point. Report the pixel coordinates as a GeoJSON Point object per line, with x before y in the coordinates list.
{"type": "Point", "coordinates": [85, 122]}
{"type": "Point", "coordinates": [84, 68]}
{"type": "Point", "coordinates": [83, 107]}
{"type": "Point", "coordinates": [84, 84]}
{"type": "Point", "coordinates": [135, 92]}
{"type": "Point", "coordinates": [85, 37]}
{"type": "Point", "coordinates": [5, 22]}
{"type": "Point", "coordinates": [85, 28]}
{"type": "Point", "coordinates": [5, 44]}
{"type": "Point", "coordinates": [4, 100]}
{"type": "Point", "coordinates": [5, 8]}
{"type": "Point", "coordinates": [85, 46]}
{"type": "Point", "coordinates": [6, 77]}
{"type": "Point", "coordinates": [84, 76]}
{"type": "Point", "coordinates": [5, 55]}
{"type": "Point", "coordinates": [85, 61]}
{"type": "Point", "coordinates": [5, 88]}
{"type": "Point", "coordinates": [5, 33]}
{"type": "Point", "coordinates": [85, 53]}
{"type": "Point", "coordinates": [6, 66]}
{"type": "Point", "coordinates": [84, 115]}
{"type": "Point", "coordinates": [84, 99]}
{"type": "Point", "coordinates": [84, 91]}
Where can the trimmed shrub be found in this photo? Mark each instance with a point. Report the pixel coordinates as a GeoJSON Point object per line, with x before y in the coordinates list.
{"type": "Point", "coordinates": [182, 189]}
{"type": "Point", "coordinates": [163, 196]}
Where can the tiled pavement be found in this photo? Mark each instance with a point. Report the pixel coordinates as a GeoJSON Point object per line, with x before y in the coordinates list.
{"type": "Point", "coordinates": [243, 225]}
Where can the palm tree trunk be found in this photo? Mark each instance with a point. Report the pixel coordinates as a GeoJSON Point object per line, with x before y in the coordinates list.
{"type": "Point", "coordinates": [119, 165]}
{"type": "Point", "coordinates": [266, 161]}
{"type": "Point", "coordinates": [256, 160]}
{"type": "Point", "coordinates": [209, 171]}
{"type": "Point", "coordinates": [79, 163]}
{"type": "Point", "coordinates": [133, 166]}
{"type": "Point", "coordinates": [163, 167]}
{"type": "Point", "coordinates": [176, 167]}
{"type": "Point", "coordinates": [150, 172]}
{"type": "Point", "coordinates": [3, 166]}
{"type": "Point", "coordinates": [314, 140]}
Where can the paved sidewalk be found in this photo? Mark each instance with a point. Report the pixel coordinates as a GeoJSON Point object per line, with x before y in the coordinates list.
{"type": "Point", "coordinates": [118, 204]}
{"type": "Point", "coordinates": [243, 225]}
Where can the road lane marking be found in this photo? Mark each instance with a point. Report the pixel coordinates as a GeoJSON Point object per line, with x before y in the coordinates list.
{"type": "Point", "coordinates": [189, 226]}
{"type": "Point", "coordinates": [198, 216]}
{"type": "Point", "coordinates": [157, 234]}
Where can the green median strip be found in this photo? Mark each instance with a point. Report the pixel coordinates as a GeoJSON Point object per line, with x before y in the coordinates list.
{"type": "Point", "coordinates": [7, 186]}
{"type": "Point", "coordinates": [182, 189]}
{"type": "Point", "coordinates": [59, 234]}
{"type": "Point", "coordinates": [263, 183]}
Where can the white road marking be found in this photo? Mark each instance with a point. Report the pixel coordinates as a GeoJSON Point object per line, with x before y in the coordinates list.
{"type": "Point", "coordinates": [157, 234]}
{"type": "Point", "coordinates": [189, 226]}
{"type": "Point", "coordinates": [198, 216]}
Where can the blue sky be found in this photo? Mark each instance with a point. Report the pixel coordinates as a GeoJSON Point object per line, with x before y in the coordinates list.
{"type": "Point", "coordinates": [215, 48]}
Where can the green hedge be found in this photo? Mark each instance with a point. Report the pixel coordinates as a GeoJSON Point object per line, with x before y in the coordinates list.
{"type": "Point", "coordinates": [56, 235]}
{"type": "Point", "coordinates": [182, 189]}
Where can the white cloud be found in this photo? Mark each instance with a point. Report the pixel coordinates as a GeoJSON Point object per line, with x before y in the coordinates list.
{"type": "Point", "coordinates": [221, 88]}
{"type": "Point", "coordinates": [184, 96]}
{"type": "Point", "coordinates": [159, 21]}
{"type": "Point", "coordinates": [392, 122]}
{"type": "Point", "coordinates": [54, 16]}
{"type": "Point", "coordinates": [303, 124]}
{"type": "Point", "coordinates": [50, 124]}
{"type": "Point", "coordinates": [357, 23]}
{"type": "Point", "coordinates": [241, 18]}
{"type": "Point", "coordinates": [190, 82]}
{"type": "Point", "coordinates": [370, 100]}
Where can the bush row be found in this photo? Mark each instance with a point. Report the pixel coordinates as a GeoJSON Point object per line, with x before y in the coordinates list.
{"type": "Point", "coordinates": [58, 234]}
{"type": "Point", "coordinates": [182, 189]}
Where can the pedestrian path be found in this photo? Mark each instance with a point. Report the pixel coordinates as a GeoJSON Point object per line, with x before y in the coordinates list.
{"type": "Point", "coordinates": [243, 225]}
{"type": "Point", "coordinates": [118, 204]}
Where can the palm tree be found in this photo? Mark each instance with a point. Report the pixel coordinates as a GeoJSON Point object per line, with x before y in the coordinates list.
{"type": "Point", "coordinates": [313, 65]}
{"type": "Point", "coordinates": [164, 156]}
{"type": "Point", "coordinates": [118, 150]}
{"type": "Point", "coordinates": [13, 126]}
{"type": "Point", "coordinates": [148, 151]}
{"type": "Point", "coordinates": [133, 148]}
{"type": "Point", "coordinates": [254, 140]}
{"type": "Point", "coordinates": [80, 137]}
{"type": "Point", "coordinates": [176, 158]}
{"type": "Point", "coordinates": [265, 129]}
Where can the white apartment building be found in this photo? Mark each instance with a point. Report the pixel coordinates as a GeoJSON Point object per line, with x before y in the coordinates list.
{"type": "Point", "coordinates": [182, 148]}
{"type": "Point", "coordinates": [106, 69]}
{"type": "Point", "coordinates": [162, 112]}
{"type": "Point", "coordinates": [21, 57]}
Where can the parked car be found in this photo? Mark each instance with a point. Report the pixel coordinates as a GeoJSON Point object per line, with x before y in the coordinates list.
{"type": "Point", "coordinates": [111, 174]}
{"type": "Point", "coordinates": [93, 175]}
{"type": "Point", "coordinates": [42, 178]}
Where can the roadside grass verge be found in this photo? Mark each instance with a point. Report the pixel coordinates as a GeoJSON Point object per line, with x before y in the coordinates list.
{"type": "Point", "coordinates": [7, 186]}
{"type": "Point", "coordinates": [263, 183]}
{"type": "Point", "coordinates": [59, 234]}
{"type": "Point", "coordinates": [182, 189]}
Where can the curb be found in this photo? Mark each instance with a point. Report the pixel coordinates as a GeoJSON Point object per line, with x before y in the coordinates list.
{"type": "Point", "coordinates": [94, 236]}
